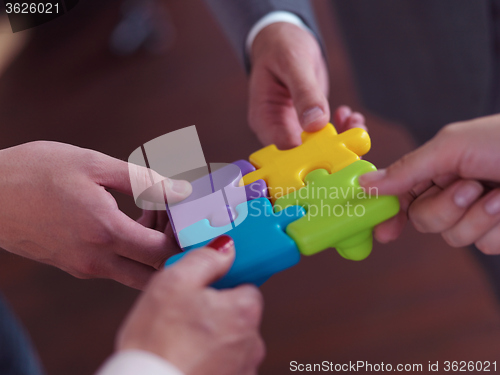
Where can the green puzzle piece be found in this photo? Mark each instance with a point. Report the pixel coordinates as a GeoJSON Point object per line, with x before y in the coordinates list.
{"type": "Point", "coordinates": [339, 213]}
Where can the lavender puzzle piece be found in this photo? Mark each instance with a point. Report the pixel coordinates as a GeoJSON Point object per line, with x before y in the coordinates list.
{"type": "Point", "coordinates": [213, 206]}
{"type": "Point", "coordinates": [257, 189]}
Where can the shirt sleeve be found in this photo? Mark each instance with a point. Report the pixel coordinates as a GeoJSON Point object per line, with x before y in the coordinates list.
{"type": "Point", "coordinates": [269, 19]}
{"type": "Point", "coordinates": [137, 362]}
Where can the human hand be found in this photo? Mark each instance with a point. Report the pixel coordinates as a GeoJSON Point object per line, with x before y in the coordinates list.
{"type": "Point", "coordinates": [54, 208]}
{"type": "Point", "coordinates": [198, 329]}
{"type": "Point", "coordinates": [448, 186]}
{"type": "Point", "coordinates": [288, 87]}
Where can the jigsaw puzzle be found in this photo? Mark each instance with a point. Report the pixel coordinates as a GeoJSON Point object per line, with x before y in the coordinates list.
{"type": "Point", "coordinates": [319, 177]}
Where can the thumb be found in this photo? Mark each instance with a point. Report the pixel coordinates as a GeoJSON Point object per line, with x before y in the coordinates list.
{"type": "Point", "coordinates": [436, 157]}
{"type": "Point", "coordinates": [202, 267]}
{"type": "Point", "coordinates": [142, 183]}
{"type": "Point", "coordinates": [309, 99]}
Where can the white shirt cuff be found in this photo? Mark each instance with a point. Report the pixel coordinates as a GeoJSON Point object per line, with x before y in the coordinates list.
{"type": "Point", "coordinates": [270, 18]}
{"type": "Point", "coordinates": [137, 362]}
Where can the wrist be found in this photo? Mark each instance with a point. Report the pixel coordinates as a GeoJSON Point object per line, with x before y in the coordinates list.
{"type": "Point", "coordinates": [281, 42]}
{"type": "Point", "coordinates": [272, 18]}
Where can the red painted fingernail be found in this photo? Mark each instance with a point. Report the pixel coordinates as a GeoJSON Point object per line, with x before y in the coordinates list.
{"type": "Point", "coordinates": [222, 243]}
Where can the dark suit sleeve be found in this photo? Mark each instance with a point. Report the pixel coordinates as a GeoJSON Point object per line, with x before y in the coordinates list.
{"type": "Point", "coordinates": [237, 17]}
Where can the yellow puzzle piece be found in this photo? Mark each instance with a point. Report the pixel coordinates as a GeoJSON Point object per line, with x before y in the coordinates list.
{"type": "Point", "coordinates": [285, 170]}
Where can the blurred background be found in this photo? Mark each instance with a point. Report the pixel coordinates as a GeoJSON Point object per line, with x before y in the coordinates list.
{"type": "Point", "coordinates": [111, 76]}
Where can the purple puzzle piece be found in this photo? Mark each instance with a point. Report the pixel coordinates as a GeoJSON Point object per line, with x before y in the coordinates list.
{"type": "Point", "coordinates": [257, 189]}
{"type": "Point", "coordinates": [213, 206]}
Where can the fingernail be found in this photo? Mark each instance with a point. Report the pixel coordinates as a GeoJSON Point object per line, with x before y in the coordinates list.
{"type": "Point", "coordinates": [181, 186]}
{"type": "Point", "coordinates": [467, 194]}
{"type": "Point", "coordinates": [492, 206]}
{"type": "Point", "coordinates": [370, 177]}
{"type": "Point", "coordinates": [222, 244]}
{"type": "Point", "coordinates": [311, 115]}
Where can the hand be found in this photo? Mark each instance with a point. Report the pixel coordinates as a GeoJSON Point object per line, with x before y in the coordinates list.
{"type": "Point", "coordinates": [288, 87]}
{"type": "Point", "coordinates": [54, 208]}
{"type": "Point", "coordinates": [440, 186]}
{"type": "Point", "coordinates": [198, 329]}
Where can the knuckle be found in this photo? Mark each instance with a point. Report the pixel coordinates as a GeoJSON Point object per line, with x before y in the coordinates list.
{"type": "Point", "coordinates": [427, 217]}
{"type": "Point", "coordinates": [401, 163]}
{"type": "Point", "coordinates": [90, 267]}
{"type": "Point", "coordinates": [249, 305]}
{"type": "Point", "coordinates": [437, 222]}
{"type": "Point", "coordinates": [424, 220]}
{"type": "Point", "coordinates": [418, 220]}
{"type": "Point", "coordinates": [449, 131]}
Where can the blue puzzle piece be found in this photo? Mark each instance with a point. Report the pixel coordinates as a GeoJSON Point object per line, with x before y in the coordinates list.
{"type": "Point", "coordinates": [262, 246]}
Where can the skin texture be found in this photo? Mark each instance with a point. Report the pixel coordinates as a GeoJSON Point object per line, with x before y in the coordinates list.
{"type": "Point", "coordinates": [56, 209]}
{"type": "Point", "coordinates": [289, 86]}
{"type": "Point", "coordinates": [448, 186]}
{"type": "Point", "coordinates": [198, 329]}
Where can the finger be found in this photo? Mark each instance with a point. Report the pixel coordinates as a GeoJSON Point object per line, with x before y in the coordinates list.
{"type": "Point", "coordinates": [438, 210]}
{"type": "Point", "coordinates": [490, 242]}
{"type": "Point", "coordinates": [203, 266]}
{"type": "Point", "coordinates": [129, 272]}
{"type": "Point", "coordinates": [432, 159]}
{"type": "Point", "coordinates": [391, 229]}
{"type": "Point", "coordinates": [481, 218]}
{"type": "Point", "coordinates": [157, 220]}
{"type": "Point", "coordinates": [148, 218]}
{"type": "Point", "coordinates": [308, 98]}
{"type": "Point", "coordinates": [271, 114]}
{"type": "Point", "coordinates": [134, 180]}
{"type": "Point", "coordinates": [134, 241]}
{"type": "Point", "coordinates": [248, 301]}
{"type": "Point", "coordinates": [357, 120]}
{"type": "Point", "coordinates": [161, 221]}
{"type": "Point", "coordinates": [445, 180]}
{"type": "Point", "coordinates": [340, 118]}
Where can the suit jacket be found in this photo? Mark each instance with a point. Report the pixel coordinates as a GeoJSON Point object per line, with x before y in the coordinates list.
{"type": "Point", "coordinates": [424, 63]}
{"type": "Point", "coordinates": [237, 17]}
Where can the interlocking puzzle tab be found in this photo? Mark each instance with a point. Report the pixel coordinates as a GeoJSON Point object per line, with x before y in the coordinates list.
{"type": "Point", "coordinates": [262, 246]}
{"type": "Point", "coordinates": [339, 213]}
{"type": "Point", "coordinates": [284, 170]}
